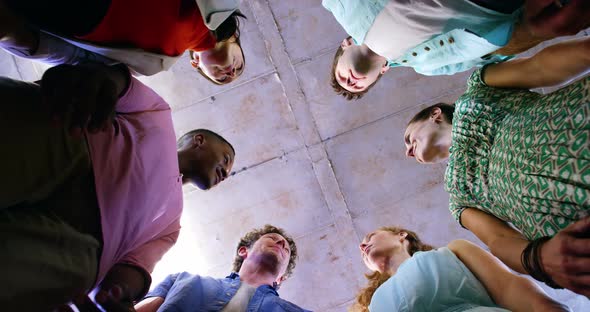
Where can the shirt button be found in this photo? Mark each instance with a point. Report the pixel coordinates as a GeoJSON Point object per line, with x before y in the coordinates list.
{"type": "Point", "coordinates": [414, 53]}
{"type": "Point", "coordinates": [451, 40]}
{"type": "Point", "coordinates": [404, 61]}
{"type": "Point", "coordinates": [441, 43]}
{"type": "Point", "coordinates": [427, 48]}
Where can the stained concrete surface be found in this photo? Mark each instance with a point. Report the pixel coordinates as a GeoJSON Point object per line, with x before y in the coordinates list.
{"type": "Point", "coordinates": [325, 169]}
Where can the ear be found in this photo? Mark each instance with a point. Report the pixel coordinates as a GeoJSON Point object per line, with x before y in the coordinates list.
{"type": "Point", "coordinates": [195, 59]}
{"type": "Point", "coordinates": [280, 280]}
{"type": "Point", "coordinates": [198, 140]}
{"type": "Point", "coordinates": [403, 235]}
{"type": "Point", "coordinates": [385, 68]}
{"type": "Point", "coordinates": [347, 42]}
{"type": "Point", "coordinates": [243, 252]}
{"type": "Point", "coordinates": [436, 115]}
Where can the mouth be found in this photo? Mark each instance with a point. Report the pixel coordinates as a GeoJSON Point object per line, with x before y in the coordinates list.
{"type": "Point", "coordinates": [367, 250]}
{"type": "Point", "coordinates": [278, 249]}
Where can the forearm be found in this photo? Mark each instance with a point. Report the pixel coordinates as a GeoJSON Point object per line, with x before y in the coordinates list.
{"type": "Point", "coordinates": [554, 65]}
{"type": "Point", "coordinates": [509, 249]}
{"type": "Point", "coordinates": [508, 290]}
{"type": "Point", "coordinates": [503, 240]}
{"type": "Point", "coordinates": [522, 294]}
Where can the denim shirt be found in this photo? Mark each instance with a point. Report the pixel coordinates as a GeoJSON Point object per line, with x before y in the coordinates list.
{"type": "Point", "coordinates": [466, 41]}
{"type": "Point", "coordinates": [185, 292]}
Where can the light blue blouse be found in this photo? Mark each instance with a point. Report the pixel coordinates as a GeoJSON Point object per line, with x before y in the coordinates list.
{"type": "Point", "coordinates": [433, 281]}
{"type": "Point", "coordinates": [466, 41]}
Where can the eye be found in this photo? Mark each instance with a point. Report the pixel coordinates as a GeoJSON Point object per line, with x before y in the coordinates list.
{"type": "Point", "coordinates": [226, 159]}
{"type": "Point", "coordinates": [222, 79]}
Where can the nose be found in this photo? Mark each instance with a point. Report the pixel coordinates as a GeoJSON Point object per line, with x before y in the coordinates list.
{"type": "Point", "coordinates": [363, 248]}
{"type": "Point", "coordinates": [230, 70]}
{"type": "Point", "coordinates": [281, 242]}
{"type": "Point", "coordinates": [410, 151]}
{"type": "Point", "coordinates": [351, 82]}
{"type": "Point", "coordinates": [222, 172]}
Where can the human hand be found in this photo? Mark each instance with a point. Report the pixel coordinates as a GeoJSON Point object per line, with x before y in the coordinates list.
{"type": "Point", "coordinates": [112, 300]}
{"type": "Point", "coordinates": [81, 97]}
{"type": "Point", "coordinates": [552, 18]}
{"type": "Point", "coordinates": [566, 257]}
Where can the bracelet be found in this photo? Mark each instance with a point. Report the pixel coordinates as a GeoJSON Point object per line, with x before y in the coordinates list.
{"type": "Point", "coordinates": [531, 262]}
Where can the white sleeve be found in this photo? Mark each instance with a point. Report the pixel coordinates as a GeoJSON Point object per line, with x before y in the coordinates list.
{"type": "Point", "coordinates": [54, 51]}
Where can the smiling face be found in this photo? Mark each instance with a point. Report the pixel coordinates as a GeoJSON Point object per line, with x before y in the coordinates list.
{"type": "Point", "coordinates": [205, 160]}
{"type": "Point", "coordinates": [358, 67]}
{"type": "Point", "coordinates": [222, 64]}
{"type": "Point", "coordinates": [379, 247]}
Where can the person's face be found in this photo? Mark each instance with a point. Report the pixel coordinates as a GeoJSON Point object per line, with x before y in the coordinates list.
{"type": "Point", "coordinates": [378, 247]}
{"type": "Point", "coordinates": [271, 251]}
{"type": "Point", "coordinates": [421, 139]}
{"type": "Point", "coordinates": [212, 161]}
{"type": "Point", "coordinates": [222, 64]}
{"type": "Point", "coordinates": [356, 70]}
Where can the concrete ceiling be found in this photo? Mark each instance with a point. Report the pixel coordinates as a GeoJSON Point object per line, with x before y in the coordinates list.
{"type": "Point", "coordinates": [325, 169]}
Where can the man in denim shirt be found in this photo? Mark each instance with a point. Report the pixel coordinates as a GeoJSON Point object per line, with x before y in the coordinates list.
{"type": "Point", "coordinates": [264, 259]}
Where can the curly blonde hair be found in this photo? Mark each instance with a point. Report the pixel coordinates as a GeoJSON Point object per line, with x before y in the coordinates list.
{"type": "Point", "coordinates": [376, 278]}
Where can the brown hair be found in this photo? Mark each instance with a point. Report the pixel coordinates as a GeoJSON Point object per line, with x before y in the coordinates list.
{"type": "Point", "coordinates": [219, 83]}
{"type": "Point", "coordinates": [447, 110]}
{"type": "Point", "coordinates": [251, 237]}
{"type": "Point", "coordinates": [230, 27]}
{"type": "Point", "coordinates": [338, 88]}
{"type": "Point", "coordinates": [363, 299]}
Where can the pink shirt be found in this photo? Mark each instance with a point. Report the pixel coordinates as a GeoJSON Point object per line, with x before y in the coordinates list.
{"type": "Point", "coordinates": [138, 184]}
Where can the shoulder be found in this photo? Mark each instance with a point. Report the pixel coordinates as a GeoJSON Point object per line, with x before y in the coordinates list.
{"type": "Point", "coordinates": [289, 306]}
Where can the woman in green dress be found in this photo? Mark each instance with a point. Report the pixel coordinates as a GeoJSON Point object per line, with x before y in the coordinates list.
{"type": "Point", "coordinates": [518, 170]}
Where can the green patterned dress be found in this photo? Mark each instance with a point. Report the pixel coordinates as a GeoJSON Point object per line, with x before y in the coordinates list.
{"type": "Point", "coordinates": [521, 156]}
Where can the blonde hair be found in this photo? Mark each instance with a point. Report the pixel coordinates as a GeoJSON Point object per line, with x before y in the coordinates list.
{"type": "Point", "coordinates": [376, 278]}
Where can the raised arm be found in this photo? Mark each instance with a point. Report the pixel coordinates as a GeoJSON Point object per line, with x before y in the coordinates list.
{"type": "Point", "coordinates": [508, 290]}
{"type": "Point", "coordinates": [552, 66]}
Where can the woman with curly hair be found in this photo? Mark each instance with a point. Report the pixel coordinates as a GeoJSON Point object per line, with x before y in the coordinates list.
{"type": "Point", "coordinates": [409, 275]}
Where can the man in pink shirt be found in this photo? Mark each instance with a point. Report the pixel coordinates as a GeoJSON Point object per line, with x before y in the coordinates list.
{"type": "Point", "coordinates": [91, 182]}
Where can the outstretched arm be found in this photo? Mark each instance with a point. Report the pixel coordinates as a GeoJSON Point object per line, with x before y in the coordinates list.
{"type": "Point", "coordinates": [552, 66]}
{"type": "Point", "coordinates": [508, 290]}
{"type": "Point", "coordinates": [565, 257]}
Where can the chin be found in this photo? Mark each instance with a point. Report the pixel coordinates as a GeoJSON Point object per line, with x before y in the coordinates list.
{"type": "Point", "coordinates": [203, 185]}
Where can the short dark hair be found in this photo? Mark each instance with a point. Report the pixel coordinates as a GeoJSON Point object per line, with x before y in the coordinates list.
{"type": "Point", "coordinates": [251, 237]}
{"type": "Point", "coordinates": [183, 139]}
{"type": "Point", "coordinates": [229, 27]}
{"type": "Point", "coordinates": [338, 88]}
{"type": "Point", "coordinates": [447, 110]}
